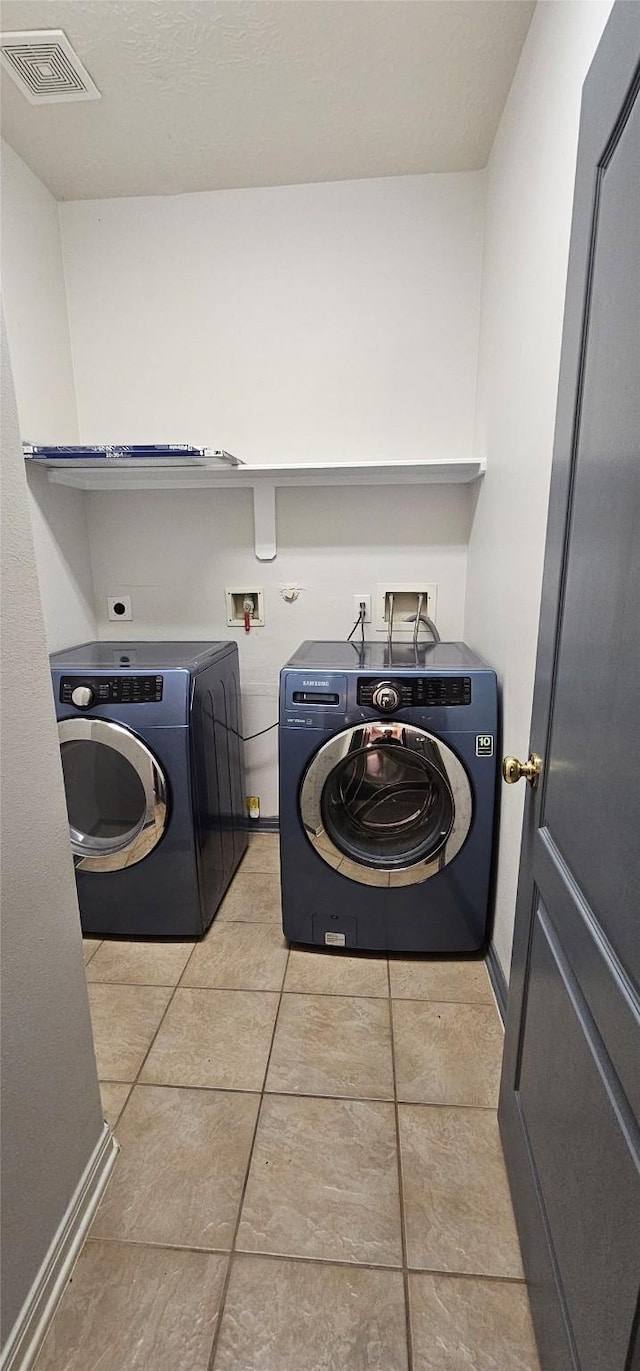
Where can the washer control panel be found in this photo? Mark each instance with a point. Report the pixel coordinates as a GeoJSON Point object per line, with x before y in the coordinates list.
{"type": "Point", "coordinates": [413, 691]}
{"type": "Point", "coordinates": [84, 691]}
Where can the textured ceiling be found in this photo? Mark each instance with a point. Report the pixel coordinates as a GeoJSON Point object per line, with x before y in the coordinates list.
{"type": "Point", "coordinates": [208, 94]}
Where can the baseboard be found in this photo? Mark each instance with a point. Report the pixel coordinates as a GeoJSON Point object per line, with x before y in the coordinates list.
{"type": "Point", "coordinates": [31, 1327]}
{"type": "Point", "coordinates": [270, 824]}
{"type": "Point", "coordinates": [498, 980]}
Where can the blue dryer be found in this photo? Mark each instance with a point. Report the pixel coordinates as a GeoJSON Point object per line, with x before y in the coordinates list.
{"type": "Point", "coordinates": [150, 738]}
{"type": "Point", "coordinates": [387, 795]}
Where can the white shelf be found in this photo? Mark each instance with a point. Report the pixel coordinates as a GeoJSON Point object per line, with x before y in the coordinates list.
{"type": "Point", "coordinates": [264, 480]}
{"type": "Point", "coordinates": [128, 475]}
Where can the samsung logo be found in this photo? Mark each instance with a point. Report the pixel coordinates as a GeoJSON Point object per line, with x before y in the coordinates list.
{"type": "Point", "coordinates": [317, 681]}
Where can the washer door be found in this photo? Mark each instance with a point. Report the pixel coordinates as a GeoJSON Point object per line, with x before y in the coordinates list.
{"type": "Point", "coordinates": [386, 803]}
{"type": "Point", "coordinates": [116, 794]}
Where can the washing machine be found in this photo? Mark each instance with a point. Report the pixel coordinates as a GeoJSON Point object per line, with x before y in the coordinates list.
{"type": "Point", "coordinates": [387, 796]}
{"type": "Point", "coordinates": [150, 739]}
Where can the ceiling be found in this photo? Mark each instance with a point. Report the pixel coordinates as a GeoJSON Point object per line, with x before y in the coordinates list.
{"type": "Point", "coordinates": [211, 94]}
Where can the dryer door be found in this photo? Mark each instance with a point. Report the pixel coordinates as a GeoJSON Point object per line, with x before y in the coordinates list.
{"type": "Point", "coordinates": [386, 803]}
{"type": "Point", "coordinates": [117, 794]}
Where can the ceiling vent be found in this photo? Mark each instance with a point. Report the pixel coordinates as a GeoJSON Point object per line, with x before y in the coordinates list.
{"type": "Point", "coordinates": [45, 67]}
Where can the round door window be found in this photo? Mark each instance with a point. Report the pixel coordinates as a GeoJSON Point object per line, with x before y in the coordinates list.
{"type": "Point", "coordinates": [387, 804]}
{"type": "Point", "coordinates": [115, 791]}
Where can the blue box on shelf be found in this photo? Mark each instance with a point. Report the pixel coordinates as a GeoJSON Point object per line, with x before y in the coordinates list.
{"type": "Point", "coordinates": [142, 454]}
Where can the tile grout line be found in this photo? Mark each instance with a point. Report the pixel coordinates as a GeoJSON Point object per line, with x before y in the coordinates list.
{"type": "Point", "coordinates": [232, 1250]}
{"type": "Point", "coordinates": [260, 990]}
{"type": "Point", "coordinates": [132, 1084]}
{"type": "Point", "coordinates": [136, 1080]}
{"type": "Point", "coordinates": [297, 1094]}
{"type": "Point", "coordinates": [143, 985]}
{"type": "Point", "coordinates": [92, 953]}
{"type": "Point", "coordinates": [178, 986]}
{"type": "Point", "coordinates": [313, 1261]}
{"type": "Point", "coordinates": [403, 1237]}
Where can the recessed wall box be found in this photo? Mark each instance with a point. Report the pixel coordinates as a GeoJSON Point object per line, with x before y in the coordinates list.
{"type": "Point", "coordinates": [405, 604]}
{"type": "Point", "coordinates": [235, 598]}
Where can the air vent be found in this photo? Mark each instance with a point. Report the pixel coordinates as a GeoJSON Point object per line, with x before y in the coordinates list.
{"type": "Point", "coordinates": [45, 67]}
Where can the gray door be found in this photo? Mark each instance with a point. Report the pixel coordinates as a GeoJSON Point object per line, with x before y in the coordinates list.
{"type": "Point", "coordinates": [570, 1093]}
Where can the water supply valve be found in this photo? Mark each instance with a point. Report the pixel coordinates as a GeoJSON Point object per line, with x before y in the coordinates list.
{"type": "Point", "coordinates": [248, 607]}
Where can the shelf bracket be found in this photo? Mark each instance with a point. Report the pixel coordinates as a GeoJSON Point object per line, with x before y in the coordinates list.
{"type": "Point", "coordinates": [264, 520]}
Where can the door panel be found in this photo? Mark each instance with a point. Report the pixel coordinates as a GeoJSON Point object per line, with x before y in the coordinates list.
{"type": "Point", "coordinates": [570, 1089]}
{"type": "Point", "coordinates": [608, 994]}
{"type": "Point", "coordinates": [587, 1175]}
{"type": "Point", "coordinates": [591, 776]}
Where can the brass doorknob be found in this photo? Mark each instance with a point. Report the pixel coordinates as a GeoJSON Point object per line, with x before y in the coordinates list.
{"type": "Point", "coordinates": [513, 770]}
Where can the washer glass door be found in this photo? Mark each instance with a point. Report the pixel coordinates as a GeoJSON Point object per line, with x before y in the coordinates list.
{"type": "Point", "coordinates": [116, 794]}
{"type": "Point", "coordinates": [386, 803]}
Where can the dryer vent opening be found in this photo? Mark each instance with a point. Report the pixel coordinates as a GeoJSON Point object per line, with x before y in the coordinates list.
{"type": "Point", "coordinates": [45, 67]}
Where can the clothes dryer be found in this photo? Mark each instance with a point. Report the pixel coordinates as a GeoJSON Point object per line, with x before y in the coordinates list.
{"type": "Point", "coordinates": [150, 737]}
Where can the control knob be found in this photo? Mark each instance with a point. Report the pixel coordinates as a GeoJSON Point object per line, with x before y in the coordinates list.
{"type": "Point", "coordinates": [386, 697]}
{"type": "Point", "coordinates": [82, 697]}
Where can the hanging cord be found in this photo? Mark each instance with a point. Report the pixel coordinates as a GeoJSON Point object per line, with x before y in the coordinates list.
{"type": "Point", "coordinates": [390, 628]}
{"type": "Point", "coordinates": [420, 618]}
{"type": "Point", "coordinates": [246, 737]}
{"type": "Point", "coordinates": [360, 621]}
{"type": "Point", "coordinates": [428, 623]}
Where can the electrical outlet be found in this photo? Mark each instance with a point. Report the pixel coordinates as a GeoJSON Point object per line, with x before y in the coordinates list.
{"type": "Point", "coordinates": [359, 600]}
{"type": "Point", "coordinates": [119, 607]}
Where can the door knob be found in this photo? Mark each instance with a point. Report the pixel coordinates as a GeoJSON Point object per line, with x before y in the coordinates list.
{"type": "Point", "coordinates": [513, 770]}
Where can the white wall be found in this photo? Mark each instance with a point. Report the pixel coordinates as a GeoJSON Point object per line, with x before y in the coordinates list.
{"type": "Point", "coordinates": [526, 241]}
{"type": "Point", "coordinates": [37, 326]}
{"type": "Point", "coordinates": [174, 552]}
{"type": "Point", "coordinates": [302, 323]}
{"type": "Point", "coordinates": [297, 323]}
{"type": "Point", "coordinates": [51, 1114]}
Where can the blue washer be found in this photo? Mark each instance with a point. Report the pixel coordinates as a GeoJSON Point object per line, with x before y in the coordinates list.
{"type": "Point", "coordinates": [150, 738]}
{"type": "Point", "coordinates": [387, 796]}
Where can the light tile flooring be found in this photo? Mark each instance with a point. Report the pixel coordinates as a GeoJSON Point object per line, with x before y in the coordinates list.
{"type": "Point", "coordinates": [310, 1176]}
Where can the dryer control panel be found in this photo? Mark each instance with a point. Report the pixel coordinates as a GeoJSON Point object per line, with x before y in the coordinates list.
{"type": "Point", "coordinates": [84, 691]}
{"type": "Point", "coordinates": [414, 691]}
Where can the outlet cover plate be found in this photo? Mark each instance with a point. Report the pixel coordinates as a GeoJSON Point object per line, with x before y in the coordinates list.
{"type": "Point", "coordinates": [124, 610]}
{"type": "Point", "coordinates": [357, 601]}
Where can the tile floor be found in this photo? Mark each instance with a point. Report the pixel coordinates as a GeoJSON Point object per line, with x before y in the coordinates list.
{"type": "Point", "coordinates": [310, 1176]}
